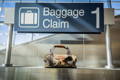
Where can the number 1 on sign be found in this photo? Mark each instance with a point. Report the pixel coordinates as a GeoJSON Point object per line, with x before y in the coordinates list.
{"type": "Point", "coordinates": [97, 12]}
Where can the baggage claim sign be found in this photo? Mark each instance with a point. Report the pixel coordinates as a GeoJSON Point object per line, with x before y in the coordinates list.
{"type": "Point", "coordinates": [59, 17]}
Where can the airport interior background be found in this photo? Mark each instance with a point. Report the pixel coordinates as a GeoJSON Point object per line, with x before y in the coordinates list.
{"type": "Point", "coordinates": [29, 49]}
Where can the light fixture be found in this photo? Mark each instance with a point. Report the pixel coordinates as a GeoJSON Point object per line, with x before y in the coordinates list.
{"type": "Point", "coordinates": [0, 9]}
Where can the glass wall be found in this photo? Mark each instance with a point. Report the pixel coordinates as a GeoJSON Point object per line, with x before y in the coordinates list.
{"type": "Point", "coordinates": [29, 37]}
{"type": "Point", "coordinates": [96, 53]}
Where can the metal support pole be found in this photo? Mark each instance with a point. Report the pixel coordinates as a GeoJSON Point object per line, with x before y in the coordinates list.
{"type": "Point", "coordinates": [9, 47]}
{"type": "Point", "coordinates": [32, 38]}
{"type": "Point", "coordinates": [108, 47]}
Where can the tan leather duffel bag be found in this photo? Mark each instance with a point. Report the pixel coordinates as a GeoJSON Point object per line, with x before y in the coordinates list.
{"type": "Point", "coordinates": [60, 61]}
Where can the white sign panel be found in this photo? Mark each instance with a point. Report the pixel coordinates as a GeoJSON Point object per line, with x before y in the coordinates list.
{"type": "Point", "coordinates": [109, 16]}
{"type": "Point", "coordinates": [9, 15]}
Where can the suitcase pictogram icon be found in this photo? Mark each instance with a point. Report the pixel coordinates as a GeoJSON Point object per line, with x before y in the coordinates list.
{"type": "Point", "coordinates": [29, 17]}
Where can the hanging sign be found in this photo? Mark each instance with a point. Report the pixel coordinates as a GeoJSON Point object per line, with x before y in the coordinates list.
{"type": "Point", "coordinates": [59, 17]}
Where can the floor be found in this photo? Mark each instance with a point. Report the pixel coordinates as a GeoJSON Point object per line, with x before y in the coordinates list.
{"type": "Point", "coordinates": [37, 73]}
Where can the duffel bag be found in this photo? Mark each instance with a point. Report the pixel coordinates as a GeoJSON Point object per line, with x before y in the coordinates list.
{"type": "Point", "coordinates": [60, 61]}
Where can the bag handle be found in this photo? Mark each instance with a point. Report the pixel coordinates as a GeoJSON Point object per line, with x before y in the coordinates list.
{"type": "Point", "coordinates": [60, 46]}
{"type": "Point", "coordinates": [29, 11]}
